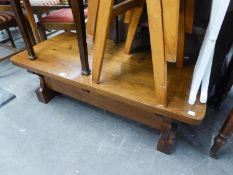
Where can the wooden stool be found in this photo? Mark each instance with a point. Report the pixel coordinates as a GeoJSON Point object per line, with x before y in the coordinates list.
{"type": "Point", "coordinates": [78, 16]}
{"type": "Point", "coordinates": [224, 134]}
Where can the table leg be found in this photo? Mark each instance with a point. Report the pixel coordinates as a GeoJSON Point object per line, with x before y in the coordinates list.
{"type": "Point", "coordinates": [44, 94]}
{"type": "Point", "coordinates": [166, 143]}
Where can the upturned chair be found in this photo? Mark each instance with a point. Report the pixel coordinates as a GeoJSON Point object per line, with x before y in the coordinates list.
{"type": "Point", "coordinates": [164, 27]}
{"type": "Point", "coordinates": [79, 23]}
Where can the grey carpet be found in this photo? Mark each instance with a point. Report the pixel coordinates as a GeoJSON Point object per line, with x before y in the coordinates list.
{"type": "Point", "coordinates": [5, 97]}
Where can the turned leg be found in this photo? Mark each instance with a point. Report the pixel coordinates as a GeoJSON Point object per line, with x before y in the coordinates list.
{"type": "Point", "coordinates": [79, 20]}
{"type": "Point", "coordinates": [44, 94]}
{"type": "Point", "coordinates": [224, 134]}
{"type": "Point", "coordinates": [166, 143]}
{"type": "Point", "coordinates": [102, 30]}
{"type": "Point", "coordinates": [21, 21]}
{"type": "Point", "coordinates": [134, 21]}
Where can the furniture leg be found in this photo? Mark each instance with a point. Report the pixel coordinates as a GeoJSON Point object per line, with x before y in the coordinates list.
{"type": "Point", "coordinates": [166, 143]}
{"type": "Point", "coordinates": [31, 20]}
{"type": "Point", "coordinates": [224, 134]}
{"type": "Point", "coordinates": [79, 20]}
{"type": "Point", "coordinates": [44, 94]}
{"type": "Point", "coordinates": [155, 20]}
{"type": "Point", "coordinates": [24, 30]}
{"type": "Point", "coordinates": [128, 16]}
{"type": "Point", "coordinates": [10, 37]}
{"type": "Point", "coordinates": [42, 31]}
{"type": "Point", "coordinates": [102, 30]}
{"type": "Point", "coordinates": [181, 37]}
{"type": "Point", "coordinates": [93, 7]}
{"type": "Point", "coordinates": [135, 18]}
{"type": "Point", "coordinates": [116, 38]}
{"type": "Point", "coordinates": [189, 15]}
{"type": "Point", "coordinates": [170, 11]}
{"type": "Point", "coordinates": [41, 28]}
{"type": "Point", "coordinates": [218, 12]}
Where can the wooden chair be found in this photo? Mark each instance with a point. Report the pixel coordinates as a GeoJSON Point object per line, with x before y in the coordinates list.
{"type": "Point", "coordinates": [78, 16]}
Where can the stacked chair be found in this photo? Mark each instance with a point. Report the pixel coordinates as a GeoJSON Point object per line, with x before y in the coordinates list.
{"type": "Point", "coordinates": [166, 32]}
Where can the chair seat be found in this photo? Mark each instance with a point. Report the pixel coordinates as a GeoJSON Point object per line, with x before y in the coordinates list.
{"type": "Point", "coordinates": [7, 20]}
{"type": "Point", "coordinates": [61, 16]}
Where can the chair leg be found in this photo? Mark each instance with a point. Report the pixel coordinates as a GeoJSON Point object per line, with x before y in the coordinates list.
{"type": "Point", "coordinates": [135, 18]}
{"type": "Point", "coordinates": [102, 30]}
{"type": "Point", "coordinates": [224, 134]}
{"type": "Point", "coordinates": [181, 37]}
{"type": "Point", "coordinates": [155, 20]}
{"type": "Point", "coordinates": [79, 20]}
{"type": "Point", "coordinates": [42, 31]}
{"type": "Point", "coordinates": [116, 38]}
{"type": "Point", "coordinates": [21, 21]}
{"type": "Point", "coordinates": [10, 37]}
{"type": "Point", "coordinates": [41, 27]}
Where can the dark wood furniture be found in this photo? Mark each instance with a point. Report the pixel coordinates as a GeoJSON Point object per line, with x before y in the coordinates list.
{"type": "Point", "coordinates": [224, 134]}
{"type": "Point", "coordinates": [128, 87]}
{"type": "Point", "coordinates": [78, 16]}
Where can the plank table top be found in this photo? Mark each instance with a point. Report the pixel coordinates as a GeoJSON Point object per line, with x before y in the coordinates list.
{"type": "Point", "coordinates": [127, 78]}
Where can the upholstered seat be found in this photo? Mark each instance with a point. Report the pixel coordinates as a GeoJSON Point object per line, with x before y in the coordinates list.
{"type": "Point", "coordinates": [61, 16]}
{"type": "Point", "coordinates": [7, 20]}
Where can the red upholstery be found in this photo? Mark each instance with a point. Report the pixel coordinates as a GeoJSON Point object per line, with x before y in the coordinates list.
{"type": "Point", "coordinates": [60, 16]}
{"type": "Point", "coordinates": [7, 20]}
{"type": "Point", "coordinates": [4, 2]}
